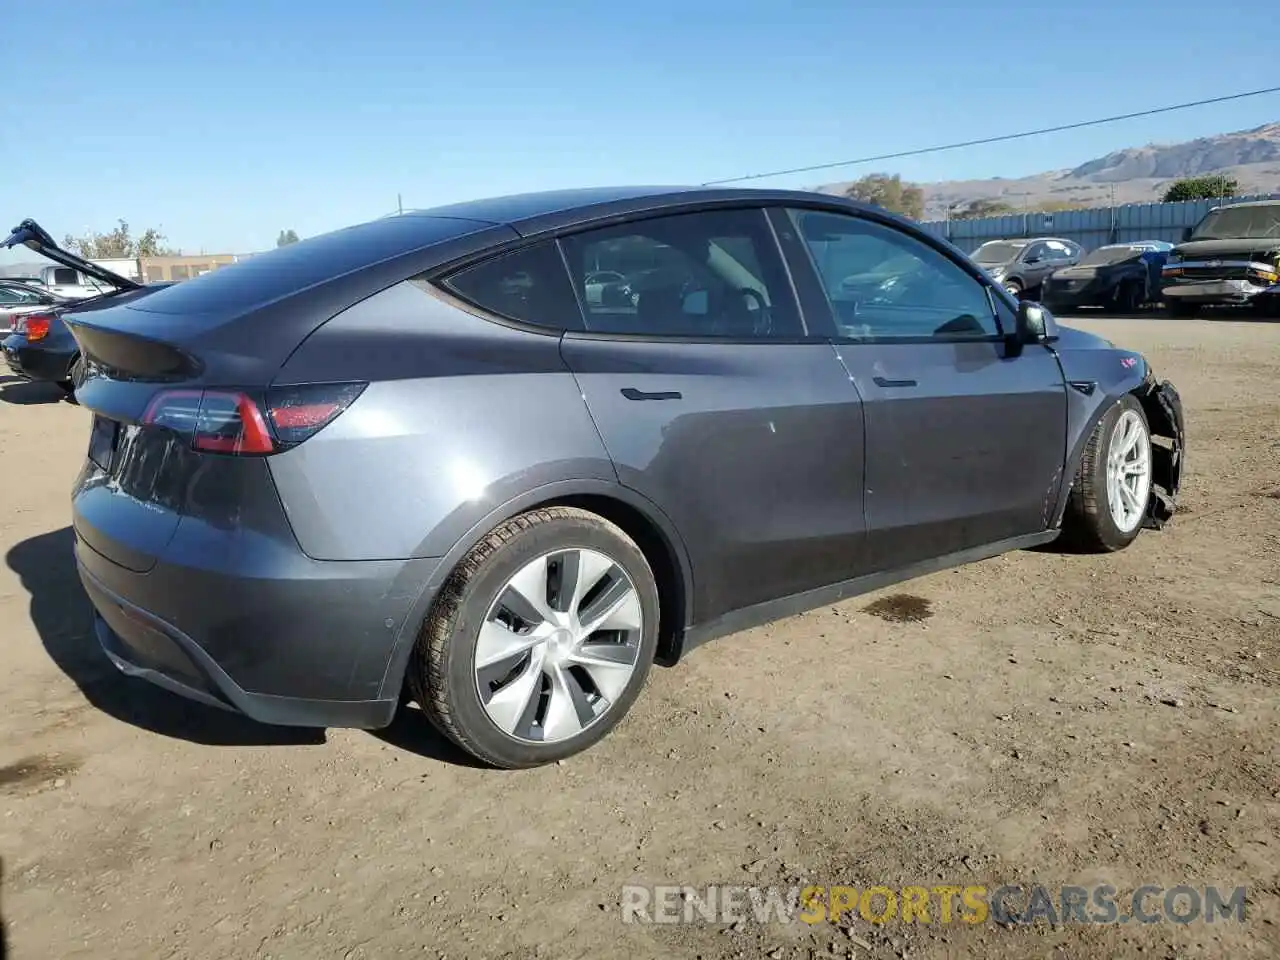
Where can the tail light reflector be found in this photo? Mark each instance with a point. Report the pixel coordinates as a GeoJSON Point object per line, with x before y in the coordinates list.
{"type": "Point", "coordinates": [36, 326]}
{"type": "Point", "coordinates": [242, 423]}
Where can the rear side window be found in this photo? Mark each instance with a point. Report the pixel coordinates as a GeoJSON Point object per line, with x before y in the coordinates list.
{"type": "Point", "coordinates": [715, 274]}
{"type": "Point", "coordinates": [528, 285]}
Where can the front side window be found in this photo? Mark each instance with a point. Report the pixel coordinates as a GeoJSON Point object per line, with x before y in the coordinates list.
{"type": "Point", "coordinates": [528, 285]}
{"type": "Point", "coordinates": [715, 274]}
{"type": "Point", "coordinates": [884, 283]}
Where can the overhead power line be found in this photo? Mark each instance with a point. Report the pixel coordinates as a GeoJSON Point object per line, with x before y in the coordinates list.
{"type": "Point", "coordinates": [1000, 139]}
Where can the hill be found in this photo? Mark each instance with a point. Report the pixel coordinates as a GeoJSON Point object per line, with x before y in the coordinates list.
{"type": "Point", "coordinates": [1132, 175]}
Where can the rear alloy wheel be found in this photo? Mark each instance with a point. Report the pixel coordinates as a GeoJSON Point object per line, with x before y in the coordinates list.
{"type": "Point", "coordinates": [541, 639]}
{"type": "Point", "coordinates": [1112, 488]}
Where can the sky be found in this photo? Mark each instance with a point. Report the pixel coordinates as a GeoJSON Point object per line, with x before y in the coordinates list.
{"type": "Point", "coordinates": [223, 123]}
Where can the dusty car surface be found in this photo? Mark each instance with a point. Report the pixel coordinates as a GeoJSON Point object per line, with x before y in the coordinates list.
{"type": "Point", "coordinates": [417, 452]}
{"type": "Point", "coordinates": [1231, 257]}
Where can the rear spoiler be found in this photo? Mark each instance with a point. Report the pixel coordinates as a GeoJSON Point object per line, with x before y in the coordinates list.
{"type": "Point", "coordinates": [33, 236]}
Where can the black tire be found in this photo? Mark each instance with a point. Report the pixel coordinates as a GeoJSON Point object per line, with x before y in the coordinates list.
{"type": "Point", "coordinates": [1087, 524]}
{"type": "Point", "coordinates": [1128, 297]}
{"type": "Point", "coordinates": [441, 671]}
{"type": "Point", "coordinates": [1181, 311]}
{"type": "Point", "coordinates": [1014, 288]}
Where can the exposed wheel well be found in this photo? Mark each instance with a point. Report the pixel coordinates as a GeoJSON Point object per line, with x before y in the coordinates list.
{"type": "Point", "coordinates": [662, 560]}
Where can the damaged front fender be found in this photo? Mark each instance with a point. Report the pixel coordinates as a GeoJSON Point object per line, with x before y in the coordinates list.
{"type": "Point", "coordinates": [1163, 406]}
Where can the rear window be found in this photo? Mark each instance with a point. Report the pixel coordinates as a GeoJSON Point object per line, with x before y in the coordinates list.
{"type": "Point", "coordinates": [289, 269]}
{"type": "Point", "coordinates": [1108, 255]}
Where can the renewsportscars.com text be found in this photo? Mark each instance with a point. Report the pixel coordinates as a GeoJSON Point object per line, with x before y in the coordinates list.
{"type": "Point", "coordinates": [936, 904]}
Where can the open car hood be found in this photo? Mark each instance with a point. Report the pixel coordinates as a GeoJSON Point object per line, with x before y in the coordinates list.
{"type": "Point", "coordinates": [33, 236]}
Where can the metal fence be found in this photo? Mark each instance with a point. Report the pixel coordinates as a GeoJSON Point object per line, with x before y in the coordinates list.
{"type": "Point", "coordinates": [1089, 228]}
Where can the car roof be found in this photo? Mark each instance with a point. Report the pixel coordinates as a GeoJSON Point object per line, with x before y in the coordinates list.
{"type": "Point", "coordinates": [1248, 203]}
{"type": "Point", "coordinates": [534, 212]}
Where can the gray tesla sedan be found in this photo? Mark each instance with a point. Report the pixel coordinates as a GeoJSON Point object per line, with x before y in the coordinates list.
{"type": "Point", "coordinates": [420, 454]}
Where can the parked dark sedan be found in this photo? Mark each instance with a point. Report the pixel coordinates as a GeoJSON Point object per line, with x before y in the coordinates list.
{"type": "Point", "coordinates": [415, 451]}
{"type": "Point", "coordinates": [1020, 266]}
{"type": "Point", "coordinates": [40, 346]}
{"type": "Point", "coordinates": [1120, 276]}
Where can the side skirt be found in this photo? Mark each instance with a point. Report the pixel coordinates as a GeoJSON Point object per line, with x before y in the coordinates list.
{"type": "Point", "coordinates": [772, 610]}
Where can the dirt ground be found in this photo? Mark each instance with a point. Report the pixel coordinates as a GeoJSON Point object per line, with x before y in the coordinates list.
{"type": "Point", "coordinates": [1036, 718]}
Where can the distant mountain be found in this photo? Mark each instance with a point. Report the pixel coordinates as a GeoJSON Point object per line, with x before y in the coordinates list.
{"type": "Point", "coordinates": [1133, 175]}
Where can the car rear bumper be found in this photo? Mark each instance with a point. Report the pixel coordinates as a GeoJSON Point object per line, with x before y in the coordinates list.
{"type": "Point", "coordinates": [283, 641]}
{"type": "Point", "coordinates": [33, 363]}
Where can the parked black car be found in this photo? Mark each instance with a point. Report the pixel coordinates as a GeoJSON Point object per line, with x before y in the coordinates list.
{"type": "Point", "coordinates": [1119, 276]}
{"type": "Point", "coordinates": [1020, 266]}
{"type": "Point", "coordinates": [1230, 258]}
{"type": "Point", "coordinates": [40, 346]}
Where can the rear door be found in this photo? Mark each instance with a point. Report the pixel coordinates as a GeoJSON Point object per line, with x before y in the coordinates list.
{"type": "Point", "coordinates": [715, 404]}
{"type": "Point", "coordinates": [965, 437]}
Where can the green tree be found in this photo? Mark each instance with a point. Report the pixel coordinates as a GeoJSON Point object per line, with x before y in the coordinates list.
{"type": "Point", "coordinates": [1202, 188]}
{"type": "Point", "coordinates": [119, 242]}
{"type": "Point", "coordinates": [888, 192]}
{"type": "Point", "coordinates": [286, 237]}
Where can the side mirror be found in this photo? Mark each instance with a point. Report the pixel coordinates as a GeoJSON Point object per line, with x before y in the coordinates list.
{"type": "Point", "coordinates": [1186, 233]}
{"type": "Point", "coordinates": [1030, 323]}
{"type": "Point", "coordinates": [1031, 260]}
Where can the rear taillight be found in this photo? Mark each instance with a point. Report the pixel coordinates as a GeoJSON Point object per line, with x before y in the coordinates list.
{"type": "Point", "coordinates": [36, 326]}
{"type": "Point", "coordinates": [241, 423]}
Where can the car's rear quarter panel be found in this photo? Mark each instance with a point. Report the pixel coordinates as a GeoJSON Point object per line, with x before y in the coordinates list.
{"type": "Point", "coordinates": [461, 416]}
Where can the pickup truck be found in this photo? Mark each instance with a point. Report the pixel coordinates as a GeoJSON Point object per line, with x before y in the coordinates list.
{"type": "Point", "coordinates": [69, 283]}
{"type": "Point", "coordinates": [1231, 257]}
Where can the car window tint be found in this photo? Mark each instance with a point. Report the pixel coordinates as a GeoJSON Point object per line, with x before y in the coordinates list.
{"type": "Point", "coordinates": [713, 274]}
{"type": "Point", "coordinates": [883, 282]}
{"type": "Point", "coordinates": [528, 285]}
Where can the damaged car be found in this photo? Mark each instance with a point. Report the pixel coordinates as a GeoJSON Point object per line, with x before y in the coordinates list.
{"type": "Point", "coordinates": [39, 346]}
{"type": "Point", "coordinates": [569, 491]}
{"type": "Point", "coordinates": [1122, 277]}
{"type": "Point", "coordinates": [1230, 258]}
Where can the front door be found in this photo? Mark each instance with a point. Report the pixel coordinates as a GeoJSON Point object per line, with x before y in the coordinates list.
{"type": "Point", "coordinates": [715, 405]}
{"type": "Point", "coordinates": [965, 436]}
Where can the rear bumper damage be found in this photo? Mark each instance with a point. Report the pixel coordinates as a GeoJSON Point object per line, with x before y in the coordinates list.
{"type": "Point", "coordinates": [1163, 407]}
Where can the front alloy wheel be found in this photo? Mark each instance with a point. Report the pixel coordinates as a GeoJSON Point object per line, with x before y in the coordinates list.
{"type": "Point", "coordinates": [1112, 487]}
{"type": "Point", "coordinates": [1129, 471]}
